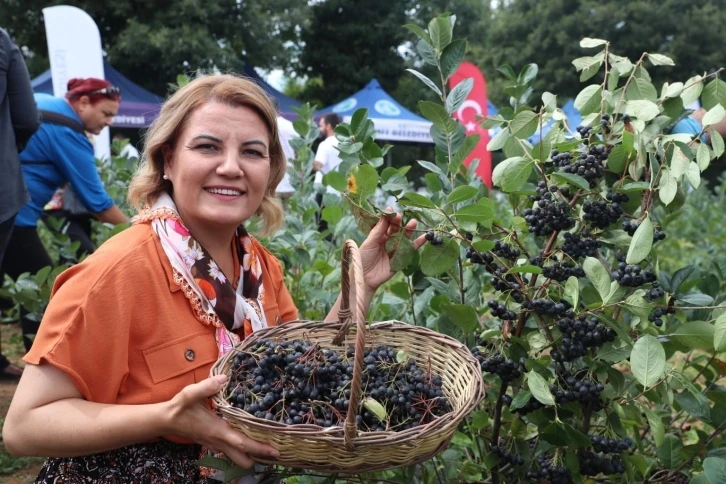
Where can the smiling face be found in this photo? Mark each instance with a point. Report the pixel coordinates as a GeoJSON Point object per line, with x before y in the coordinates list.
{"type": "Point", "coordinates": [219, 167]}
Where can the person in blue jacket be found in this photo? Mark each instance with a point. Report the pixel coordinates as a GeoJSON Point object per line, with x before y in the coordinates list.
{"type": "Point", "coordinates": [60, 153]}
{"type": "Point", "coordinates": [693, 125]}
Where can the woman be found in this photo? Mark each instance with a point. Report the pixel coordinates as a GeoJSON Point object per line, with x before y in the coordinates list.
{"type": "Point", "coordinates": [58, 153]}
{"type": "Point", "coordinates": [117, 380]}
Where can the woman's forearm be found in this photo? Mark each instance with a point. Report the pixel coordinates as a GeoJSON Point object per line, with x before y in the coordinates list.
{"type": "Point", "coordinates": [75, 427]}
{"type": "Point", "coordinates": [112, 215]}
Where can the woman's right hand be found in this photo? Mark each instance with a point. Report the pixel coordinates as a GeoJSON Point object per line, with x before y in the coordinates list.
{"type": "Point", "coordinates": [190, 417]}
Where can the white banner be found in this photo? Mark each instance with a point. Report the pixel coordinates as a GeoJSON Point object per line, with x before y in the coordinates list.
{"type": "Point", "coordinates": [400, 129]}
{"type": "Point", "coordinates": [74, 49]}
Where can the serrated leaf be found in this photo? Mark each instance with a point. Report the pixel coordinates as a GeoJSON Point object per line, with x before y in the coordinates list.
{"type": "Point", "coordinates": [719, 334]}
{"type": "Point", "coordinates": [660, 60]}
{"type": "Point", "coordinates": [572, 179]}
{"type": "Point", "coordinates": [714, 115]}
{"type": "Point", "coordinates": [597, 275]}
{"type": "Point", "coordinates": [477, 213]}
{"type": "Point", "coordinates": [427, 53]}
{"type": "Point", "coordinates": [462, 315]}
{"type": "Point", "coordinates": [703, 156]}
{"type": "Point", "coordinates": [673, 90]}
{"type": "Point", "coordinates": [642, 242]}
{"type": "Point", "coordinates": [637, 305]}
{"type": "Point", "coordinates": [669, 452]}
{"type": "Point", "coordinates": [375, 408]}
{"type": "Point", "coordinates": [586, 62]}
{"type": "Point", "coordinates": [678, 162]}
{"type": "Point", "coordinates": [461, 194]}
{"type": "Point", "coordinates": [635, 187]}
{"type": "Point", "coordinates": [572, 291]}
{"type": "Point", "coordinates": [400, 250]}
{"type": "Point", "coordinates": [696, 406]}
{"type": "Point", "coordinates": [656, 426]}
{"type": "Point", "coordinates": [437, 259]}
{"type": "Point", "coordinates": [440, 30]}
{"type": "Point", "coordinates": [714, 93]}
{"type": "Point", "coordinates": [717, 142]}
{"type": "Point", "coordinates": [511, 173]}
{"type": "Point", "coordinates": [614, 354]}
{"type": "Point", "coordinates": [647, 360]}
{"type": "Point", "coordinates": [549, 102]}
{"type": "Point", "coordinates": [520, 399]}
{"type": "Point", "coordinates": [458, 95]}
{"type": "Point", "coordinates": [641, 109]}
{"type": "Point", "coordinates": [540, 388]}
{"type": "Point", "coordinates": [692, 90]}
{"type": "Point", "coordinates": [668, 187]}
{"type": "Point", "coordinates": [451, 57]}
{"type": "Point", "coordinates": [366, 181]}
{"type": "Point", "coordinates": [715, 470]}
{"type": "Point", "coordinates": [695, 334]}
{"type": "Point", "coordinates": [426, 81]}
{"type": "Point", "coordinates": [524, 124]}
{"type": "Point", "coordinates": [465, 150]}
{"type": "Point", "coordinates": [588, 100]}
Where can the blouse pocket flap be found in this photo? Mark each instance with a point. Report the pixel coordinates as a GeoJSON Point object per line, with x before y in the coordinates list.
{"type": "Point", "coordinates": [180, 356]}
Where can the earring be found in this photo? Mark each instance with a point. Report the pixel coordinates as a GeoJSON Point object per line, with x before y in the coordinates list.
{"type": "Point", "coordinates": [165, 177]}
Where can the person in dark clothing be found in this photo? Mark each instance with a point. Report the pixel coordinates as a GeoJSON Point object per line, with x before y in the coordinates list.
{"type": "Point", "coordinates": [18, 121]}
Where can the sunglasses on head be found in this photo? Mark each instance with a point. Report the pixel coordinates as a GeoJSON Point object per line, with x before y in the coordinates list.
{"type": "Point", "coordinates": [111, 92]}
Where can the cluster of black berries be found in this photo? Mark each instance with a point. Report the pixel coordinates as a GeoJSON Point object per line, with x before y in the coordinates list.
{"type": "Point", "coordinates": [602, 444]}
{"type": "Point", "coordinates": [605, 122]}
{"type": "Point", "coordinates": [657, 314]}
{"type": "Point", "coordinates": [592, 464]}
{"type": "Point", "coordinates": [479, 258]}
{"type": "Point", "coordinates": [579, 335]}
{"type": "Point", "coordinates": [577, 246]}
{"type": "Point", "coordinates": [600, 213]}
{"type": "Point", "coordinates": [561, 271]}
{"type": "Point", "coordinates": [507, 457]}
{"type": "Point", "coordinates": [548, 470]}
{"type": "Point", "coordinates": [584, 131]}
{"type": "Point", "coordinates": [500, 310]}
{"type": "Point", "coordinates": [656, 291]}
{"type": "Point", "coordinates": [434, 239]}
{"type": "Point", "coordinates": [507, 282]}
{"type": "Point", "coordinates": [531, 405]}
{"type": "Point", "coordinates": [548, 216]}
{"type": "Point", "coordinates": [547, 307]}
{"type": "Point", "coordinates": [507, 369]}
{"type": "Point", "coordinates": [631, 275]}
{"type": "Point", "coordinates": [630, 226]}
{"type": "Point", "coordinates": [589, 165]}
{"type": "Point", "coordinates": [299, 382]}
{"type": "Point", "coordinates": [543, 192]}
{"type": "Point", "coordinates": [505, 251]}
{"type": "Point", "coordinates": [578, 389]}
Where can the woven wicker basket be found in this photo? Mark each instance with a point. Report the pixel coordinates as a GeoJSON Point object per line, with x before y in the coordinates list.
{"type": "Point", "coordinates": [346, 449]}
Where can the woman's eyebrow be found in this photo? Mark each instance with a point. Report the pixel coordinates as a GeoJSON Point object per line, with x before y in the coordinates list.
{"type": "Point", "coordinates": [207, 136]}
{"type": "Point", "coordinates": [255, 142]}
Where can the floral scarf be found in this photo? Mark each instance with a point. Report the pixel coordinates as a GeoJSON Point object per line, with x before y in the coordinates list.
{"type": "Point", "coordinates": [212, 296]}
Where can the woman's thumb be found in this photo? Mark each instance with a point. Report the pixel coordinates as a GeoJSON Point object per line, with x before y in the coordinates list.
{"type": "Point", "coordinates": [206, 388]}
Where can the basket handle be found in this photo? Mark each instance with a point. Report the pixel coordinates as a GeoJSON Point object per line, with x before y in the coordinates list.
{"type": "Point", "coordinates": [352, 290]}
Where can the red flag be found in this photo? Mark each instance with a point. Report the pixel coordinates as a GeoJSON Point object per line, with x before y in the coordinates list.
{"type": "Point", "coordinates": [475, 104]}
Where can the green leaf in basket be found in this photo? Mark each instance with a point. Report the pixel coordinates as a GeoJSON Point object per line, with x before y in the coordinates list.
{"type": "Point", "coordinates": [378, 410]}
{"type": "Point", "coordinates": [401, 356]}
{"type": "Point", "coordinates": [212, 462]}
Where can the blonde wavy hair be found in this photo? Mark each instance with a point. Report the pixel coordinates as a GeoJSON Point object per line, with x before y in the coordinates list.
{"type": "Point", "coordinates": [148, 182]}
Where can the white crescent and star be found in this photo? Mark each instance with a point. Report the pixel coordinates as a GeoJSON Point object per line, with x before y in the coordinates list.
{"type": "Point", "coordinates": [469, 103]}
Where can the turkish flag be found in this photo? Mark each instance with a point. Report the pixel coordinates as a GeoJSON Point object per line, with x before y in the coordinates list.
{"type": "Point", "coordinates": [475, 105]}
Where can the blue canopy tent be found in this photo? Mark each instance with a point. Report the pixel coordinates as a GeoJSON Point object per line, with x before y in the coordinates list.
{"type": "Point", "coordinates": [393, 122]}
{"type": "Point", "coordinates": [138, 106]}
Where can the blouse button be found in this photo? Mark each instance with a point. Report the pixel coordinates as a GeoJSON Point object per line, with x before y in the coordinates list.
{"type": "Point", "coordinates": [189, 355]}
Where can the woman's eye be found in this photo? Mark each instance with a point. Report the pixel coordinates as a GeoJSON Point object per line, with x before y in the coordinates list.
{"type": "Point", "coordinates": [207, 147]}
{"type": "Point", "coordinates": [255, 153]}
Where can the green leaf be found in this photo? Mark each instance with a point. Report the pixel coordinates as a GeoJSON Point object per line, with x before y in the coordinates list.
{"type": "Point", "coordinates": [617, 159]}
{"type": "Point", "coordinates": [714, 115]}
{"type": "Point", "coordinates": [357, 122]}
{"type": "Point", "coordinates": [642, 242]}
{"type": "Point", "coordinates": [694, 174]}
{"type": "Point", "coordinates": [656, 426]}
{"type": "Point", "coordinates": [426, 81]}
{"type": "Point", "coordinates": [719, 334]}
{"type": "Point", "coordinates": [637, 305]}
{"type": "Point", "coordinates": [527, 74]}
{"type": "Point", "coordinates": [375, 408]}
{"type": "Point", "coordinates": [478, 213]}
{"type": "Point", "coordinates": [715, 470]}
{"type": "Point", "coordinates": [640, 89]}
{"type": "Point", "coordinates": [669, 452]}
{"type": "Point", "coordinates": [678, 162]}
{"type": "Point", "coordinates": [674, 90]}
{"type": "Point", "coordinates": [437, 114]}
{"type": "Point", "coordinates": [498, 142]}
{"type": "Point", "coordinates": [572, 291]}
{"type": "Point", "coordinates": [628, 143]}
{"type": "Point", "coordinates": [588, 101]}
{"type": "Point", "coordinates": [673, 108]}
{"type": "Point", "coordinates": [366, 179]}
{"type": "Point", "coordinates": [695, 334]}
{"type": "Point", "coordinates": [440, 30]}
{"type": "Point", "coordinates": [332, 214]}
{"type": "Point", "coordinates": [716, 142]}
{"type": "Point", "coordinates": [660, 60]}
{"type": "Point", "coordinates": [451, 57]}
{"type": "Point", "coordinates": [539, 388]}
{"type": "Point", "coordinates": [401, 356]}
{"type": "Point", "coordinates": [695, 405]}
{"type": "Point", "coordinates": [511, 173]}
{"type": "Point", "coordinates": [421, 33]}
{"type": "Point", "coordinates": [714, 93]}
{"type": "Point", "coordinates": [647, 360]}
{"type": "Point", "coordinates": [458, 95]}
{"type": "Point", "coordinates": [641, 109]}
{"type": "Point", "coordinates": [668, 187]}
{"type": "Point", "coordinates": [528, 269]}
{"type": "Point", "coordinates": [465, 150]}
{"type": "Point", "coordinates": [401, 248]}
{"type": "Point", "coordinates": [694, 299]}
{"type": "Point", "coordinates": [508, 72]}
{"type": "Point", "coordinates": [588, 43]}
{"type": "Point", "coordinates": [427, 53]}
{"type": "Point", "coordinates": [612, 353]}
{"type": "Point", "coordinates": [212, 462]}
{"type": "Point", "coordinates": [524, 124]}
{"type": "Point", "coordinates": [462, 315]}
{"type": "Point", "coordinates": [461, 194]}
{"type": "Point", "coordinates": [437, 259]}
{"type": "Point", "coordinates": [549, 102]}
{"type": "Point", "coordinates": [703, 156]}
{"type": "Point", "coordinates": [597, 275]}
{"type": "Point", "coordinates": [635, 187]}
{"type": "Point", "coordinates": [336, 180]}
{"type": "Point", "coordinates": [692, 90]}
{"type": "Point", "coordinates": [520, 399]}
{"type": "Point", "coordinates": [572, 179]}
{"type": "Point", "coordinates": [413, 199]}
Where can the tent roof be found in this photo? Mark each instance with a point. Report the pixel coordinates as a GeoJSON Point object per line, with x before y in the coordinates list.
{"type": "Point", "coordinates": [138, 106]}
{"type": "Point", "coordinates": [284, 102]}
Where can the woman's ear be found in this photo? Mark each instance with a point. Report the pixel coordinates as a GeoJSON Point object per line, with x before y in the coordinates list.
{"type": "Point", "coordinates": [166, 153]}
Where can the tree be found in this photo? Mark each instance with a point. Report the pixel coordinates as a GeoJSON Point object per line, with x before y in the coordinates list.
{"type": "Point", "coordinates": [547, 33]}
{"type": "Point", "coordinates": [153, 41]}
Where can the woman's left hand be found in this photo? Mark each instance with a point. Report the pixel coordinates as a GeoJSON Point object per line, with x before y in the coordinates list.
{"type": "Point", "coordinates": [374, 257]}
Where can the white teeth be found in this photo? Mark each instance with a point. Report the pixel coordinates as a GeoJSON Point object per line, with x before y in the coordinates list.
{"type": "Point", "coordinates": [224, 191]}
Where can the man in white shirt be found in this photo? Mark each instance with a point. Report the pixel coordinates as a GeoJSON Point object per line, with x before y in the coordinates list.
{"type": "Point", "coordinates": [327, 157]}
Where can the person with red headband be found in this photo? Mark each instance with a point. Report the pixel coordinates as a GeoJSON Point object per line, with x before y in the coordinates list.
{"type": "Point", "coordinates": [57, 154]}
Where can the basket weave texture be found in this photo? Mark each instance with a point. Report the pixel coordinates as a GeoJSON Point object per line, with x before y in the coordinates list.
{"type": "Point", "coordinates": [346, 449]}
